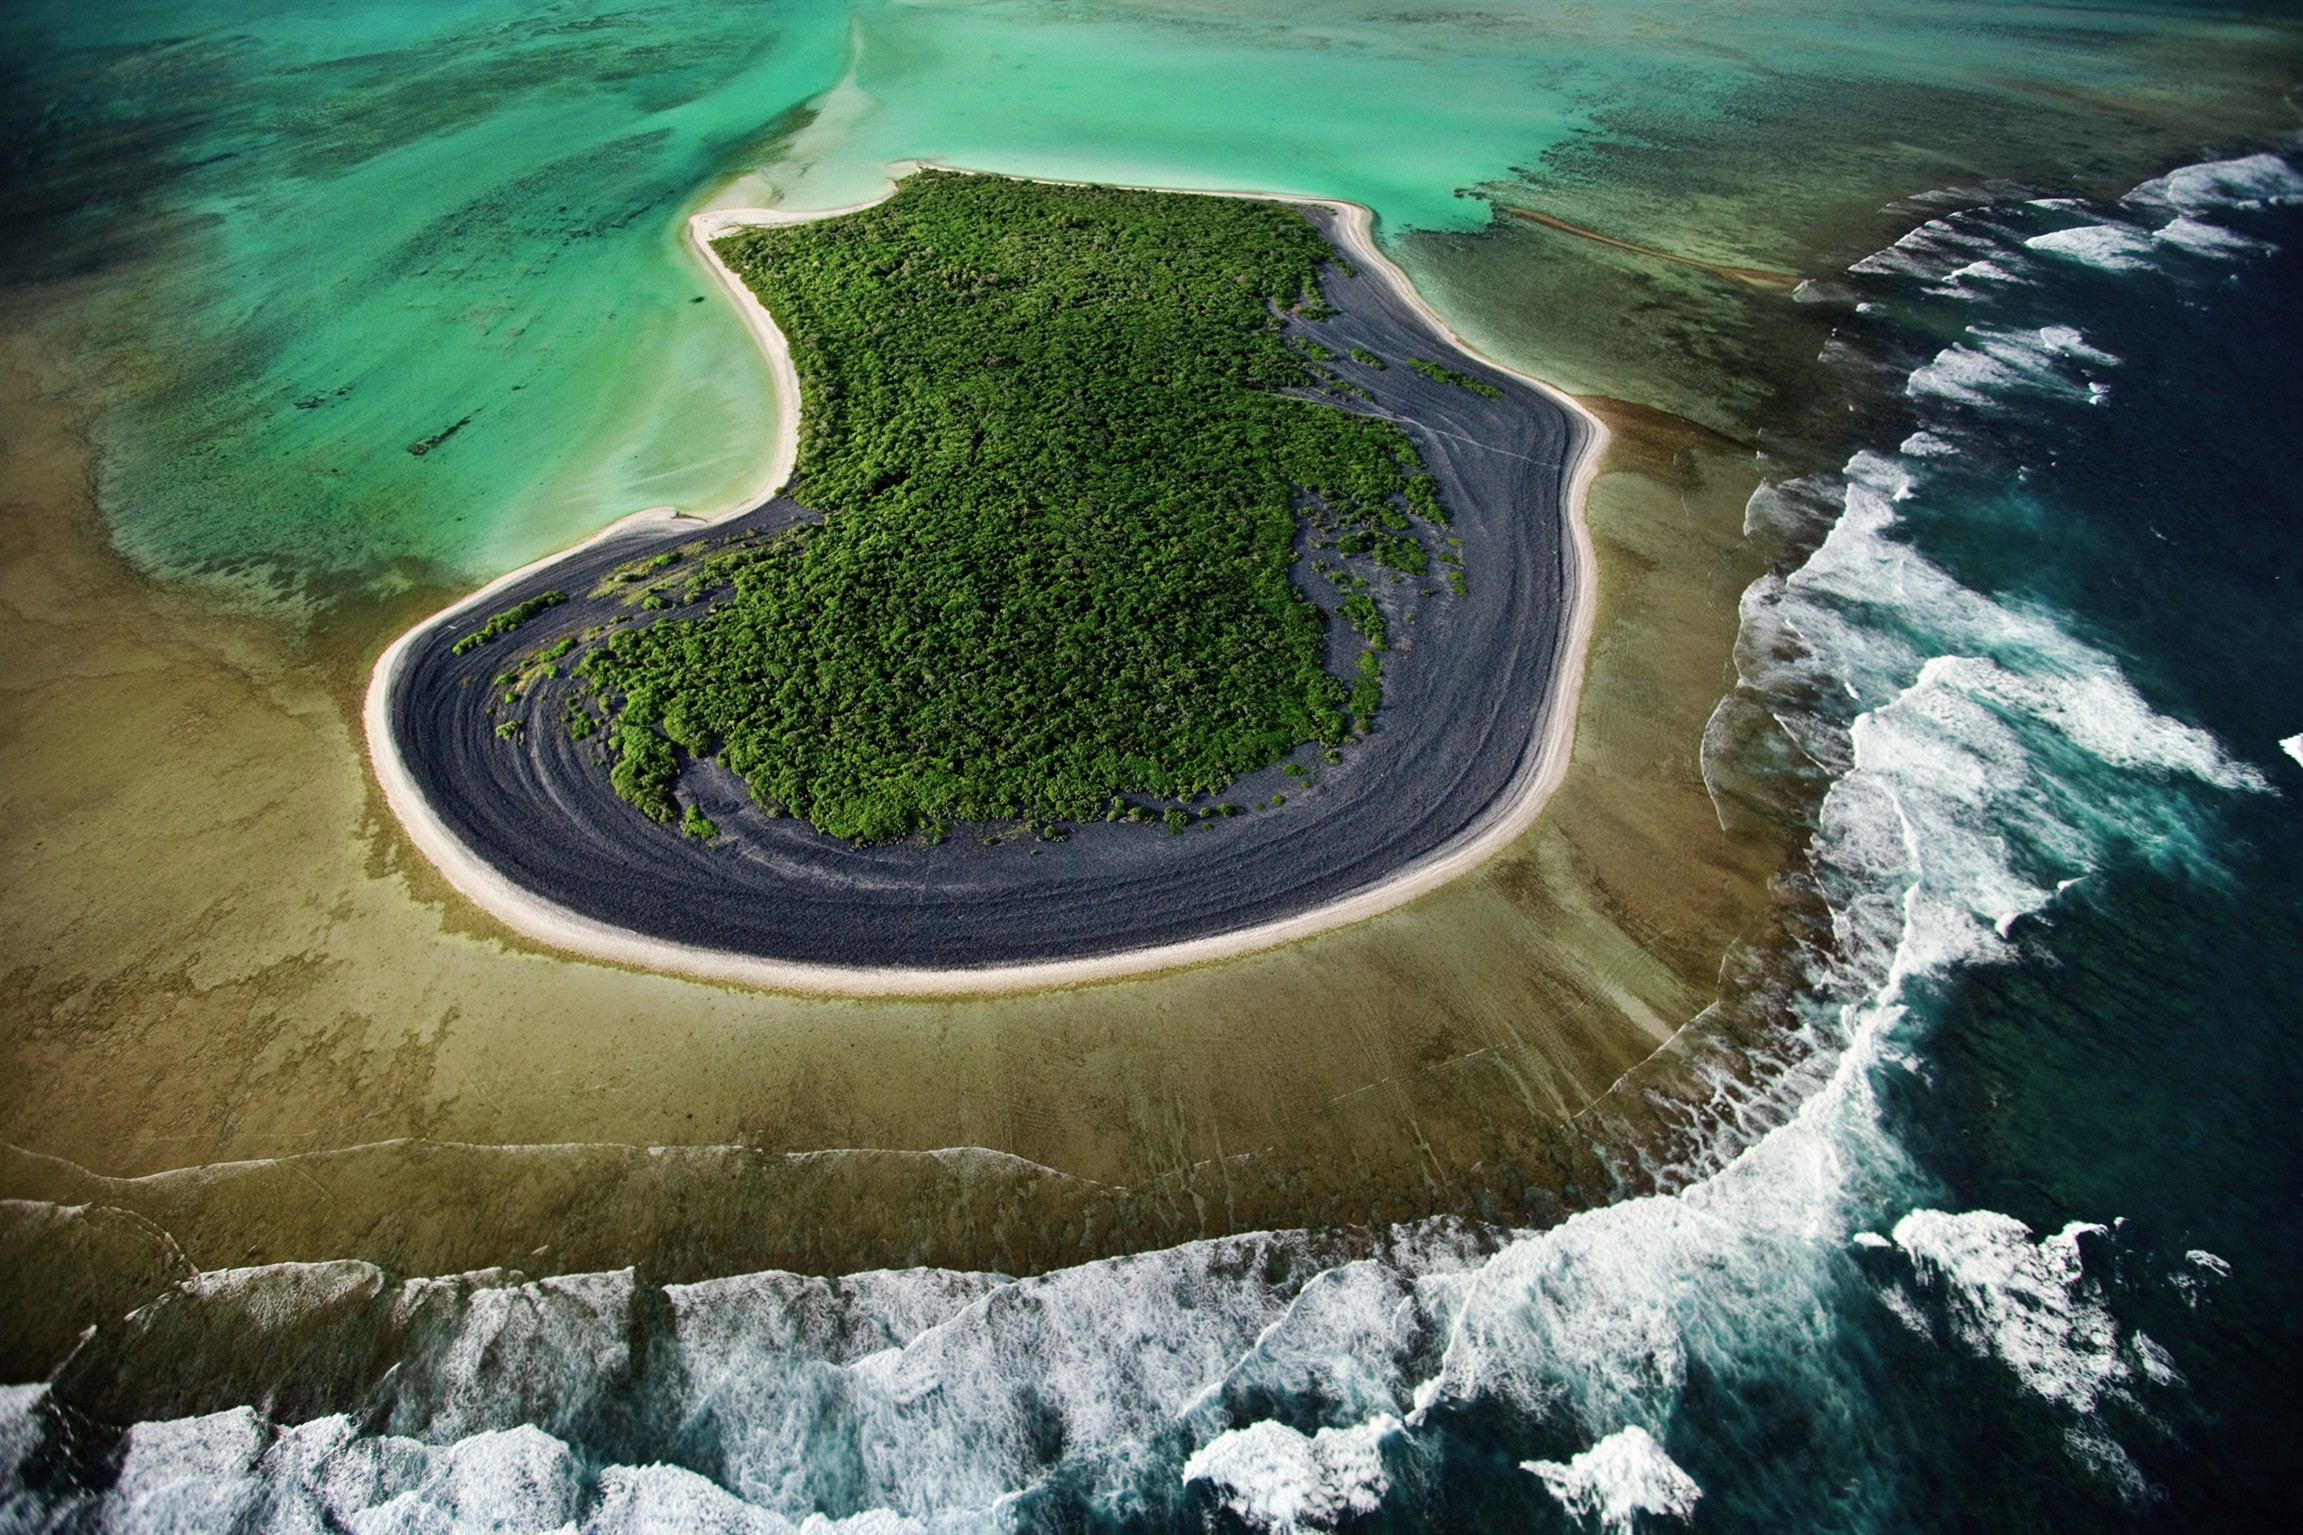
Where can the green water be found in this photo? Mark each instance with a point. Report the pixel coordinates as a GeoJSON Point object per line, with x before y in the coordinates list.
{"type": "Point", "coordinates": [328, 232]}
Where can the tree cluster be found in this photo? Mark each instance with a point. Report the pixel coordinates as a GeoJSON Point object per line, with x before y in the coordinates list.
{"type": "Point", "coordinates": [505, 622]}
{"type": "Point", "coordinates": [1060, 487]}
{"type": "Point", "coordinates": [1443, 375]}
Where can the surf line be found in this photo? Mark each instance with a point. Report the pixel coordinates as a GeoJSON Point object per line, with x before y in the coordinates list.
{"type": "Point", "coordinates": [1542, 767]}
{"type": "Point", "coordinates": [1757, 277]}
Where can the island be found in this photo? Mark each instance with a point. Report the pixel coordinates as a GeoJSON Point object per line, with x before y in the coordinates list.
{"type": "Point", "coordinates": [1139, 586]}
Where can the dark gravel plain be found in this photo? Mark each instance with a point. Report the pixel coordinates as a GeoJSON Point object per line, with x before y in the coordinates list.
{"type": "Point", "coordinates": [1466, 687]}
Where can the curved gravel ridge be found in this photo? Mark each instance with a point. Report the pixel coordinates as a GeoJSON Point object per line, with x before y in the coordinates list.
{"type": "Point", "coordinates": [1479, 701]}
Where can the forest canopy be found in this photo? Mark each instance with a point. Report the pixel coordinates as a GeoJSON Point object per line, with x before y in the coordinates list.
{"type": "Point", "coordinates": [1060, 484]}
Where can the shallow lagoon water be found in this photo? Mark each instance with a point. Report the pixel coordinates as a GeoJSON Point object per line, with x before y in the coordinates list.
{"type": "Point", "coordinates": [382, 222]}
{"type": "Point", "coordinates": [1877, 1277]}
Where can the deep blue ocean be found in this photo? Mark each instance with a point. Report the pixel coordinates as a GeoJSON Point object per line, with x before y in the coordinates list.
{"type": "Point", "coordinates": [2012, 1241]}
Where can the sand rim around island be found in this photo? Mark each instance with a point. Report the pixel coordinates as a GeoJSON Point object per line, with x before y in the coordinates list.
{"type": "Point", "coordinates": [1542, 767]}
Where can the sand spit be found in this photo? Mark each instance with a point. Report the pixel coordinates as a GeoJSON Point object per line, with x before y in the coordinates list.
{"type": "Point", "coordinates": [1541, 767]}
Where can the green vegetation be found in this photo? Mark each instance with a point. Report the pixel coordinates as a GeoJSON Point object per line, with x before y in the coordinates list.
{"type": "Point", "coordinates": [1367, 692]}
{"type": "Point", "coordinates": [1367, 618]}
{"type": "Point", "coordinates": [508, 620]}
{"type": "Point", "coordinates": [1366, 358]}
{"type": "Point", "coordinates": [533, 667]}
{"type": "Point", "coordinates": [1440, 375]}
{"type": "Point", "coordinates": [1060, 486]}
{"type": "Point", "coordinates": [1397, 552]}
{"type": "Point", "coordinates": [579, 722]}
{"type": "Point", "coordinates": [1425, 500]}
{"type": "Point", "coordinates": [632, 572]}
{"type": "Point", "coordinates": [645, 767]}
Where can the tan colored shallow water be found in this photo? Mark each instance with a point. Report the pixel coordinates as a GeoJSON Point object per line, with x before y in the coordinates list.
{"type": "Point", "coordinates": [220, 949]}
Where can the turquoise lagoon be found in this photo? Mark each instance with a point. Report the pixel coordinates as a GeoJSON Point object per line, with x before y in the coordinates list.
{"type": "Point", "coordinates": [353, 228]}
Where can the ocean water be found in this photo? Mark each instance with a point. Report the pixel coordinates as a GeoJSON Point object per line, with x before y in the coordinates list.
{"type": "Point", "coordinates": [1998, 1233]}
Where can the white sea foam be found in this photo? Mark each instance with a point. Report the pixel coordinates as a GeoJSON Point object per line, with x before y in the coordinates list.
{"type": "Point", "coordinates": [1931, 251]}
{"type": "Point", "coordinates": [1999, 361]}
{"type": "Point", "coordinates": [2205, 239]}
{"type": "Point", "coordinates": [836, 1320]}
{"type": "Point", "coordinates": [2033, 1306]}
{"type": "Point", "coordinates": [520, 1481]}
{"type": "Point", "coordinates": [1964, 374]}
{"type": "Point", "coordinates": [1625, 1475]}
{"type": "Point", "coordinates": [2115, 247]}
{"type": "Point", "coordinates": [1786, 511]}
{"type": "Point", "coordinates": [1983, 271]}
{"type": "Point", "coordinates": [188, 1474]}
{"type": "Point", "coordinates": [2057, 340]}
{"type": "Point", "coordinates": [1095, 1362]}
{"type": "Point", "coordinates": [2090, 703]}
{"type": "Point", "coordinates": [232, 1469]}
{"type": "Point", "coordinates": [1960, 254]}
{"type": "Point", "coordinates": [2248, 182]}
{"type": "Point", "coordinates": [325, 1474]}
{"type": "Point", "coordinates": [1926, 444]}
{"type": "Point", "coordinates": [671, 1500]}
{"type": "Point", "coordinates": [279, 1293]}
{"type": "Point", "coordinates": [1972, 796]}
{"type": "Point", "coordinates": [2201, 1272]}
{"type": "Point", "coordinates": [668, 1500]}
{"type": "Point", "coordinates": [1997, 723]}
{"type": "Point", "coordinates": [1955, 282]}
{"type": "Point", "coordinates": [1279, 1480]}
{"type": "Point", "coordinates": [485, 1352]}
{"type": "Point", "coordinates": [2027, 1303]}
{"type": "Point", "coordinates": [1339, 1343]}
{"type": "Point", "coordinates": [1986, 782]}
{"type": "Point", "coordinates": [18, 1435]}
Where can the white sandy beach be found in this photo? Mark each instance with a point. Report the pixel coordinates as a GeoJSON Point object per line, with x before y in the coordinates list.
{"type": "Point", "coordinates": [1542, 768]}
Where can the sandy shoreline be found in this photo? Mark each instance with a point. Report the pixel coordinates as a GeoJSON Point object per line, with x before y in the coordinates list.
{"type": "Point", "coordinates": [1541, 770]}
